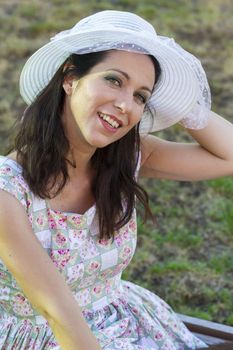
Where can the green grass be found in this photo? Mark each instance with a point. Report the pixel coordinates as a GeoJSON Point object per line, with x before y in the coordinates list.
{"type": "Point", "coordinates": [185, 256]}
{"type": "Point", "coordinates": [223, 186]}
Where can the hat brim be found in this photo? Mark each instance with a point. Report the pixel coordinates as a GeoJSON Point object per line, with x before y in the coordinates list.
{"type": "Point", "coordinates": [175, 93]}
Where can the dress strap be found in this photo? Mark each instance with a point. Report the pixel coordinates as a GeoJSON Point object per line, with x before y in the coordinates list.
{"type": "Point", "coordinates": [138, 164]}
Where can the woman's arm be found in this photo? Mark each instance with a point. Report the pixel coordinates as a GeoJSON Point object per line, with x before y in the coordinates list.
{"type": "Point", "coordinates": [210, 157]}
{"type": "Point", "coordinates": [41, 282]}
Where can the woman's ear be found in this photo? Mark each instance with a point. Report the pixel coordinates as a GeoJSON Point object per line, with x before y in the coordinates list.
{"type": "Point", "coordinates": [70, 79]}
{"type": "Point", "coordinates": [68, 85]}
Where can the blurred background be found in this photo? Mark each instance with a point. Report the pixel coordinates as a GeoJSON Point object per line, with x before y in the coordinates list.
{"type": "Point", "coordinates": [186, 256]}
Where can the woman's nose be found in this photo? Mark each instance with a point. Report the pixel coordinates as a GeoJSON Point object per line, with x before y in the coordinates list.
{"type": "Point", "coordinates": [124, 103]}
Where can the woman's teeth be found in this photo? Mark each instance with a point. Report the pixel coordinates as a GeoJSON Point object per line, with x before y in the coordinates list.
{"type": "Point", "coordinates": [108, 119]}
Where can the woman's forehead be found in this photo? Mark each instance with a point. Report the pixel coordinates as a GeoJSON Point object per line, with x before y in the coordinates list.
{"type": "Point", "coordinates": [132, 63]}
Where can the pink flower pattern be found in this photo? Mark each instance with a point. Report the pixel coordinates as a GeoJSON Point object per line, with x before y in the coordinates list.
{"type": "Point", "coordinates": [60, 239]}
{"type": "Point", "coordinates": [60, 258]}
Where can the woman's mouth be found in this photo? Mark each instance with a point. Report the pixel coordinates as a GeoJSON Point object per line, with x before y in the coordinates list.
{"type": "Point", "coordinates": [110, 123]}
{"type": "Point", "coordinates": [109, 120]}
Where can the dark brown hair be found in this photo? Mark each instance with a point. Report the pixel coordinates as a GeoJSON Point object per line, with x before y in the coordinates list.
{"type": "Point", "coordinates": [42, 148]}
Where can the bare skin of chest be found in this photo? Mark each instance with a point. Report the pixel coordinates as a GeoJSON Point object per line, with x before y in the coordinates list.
{"type": "Point", "coordinates": [75, 197]}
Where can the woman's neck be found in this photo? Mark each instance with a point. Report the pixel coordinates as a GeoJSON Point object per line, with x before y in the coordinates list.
{"type": "Point", "coordinates": [80, 152]}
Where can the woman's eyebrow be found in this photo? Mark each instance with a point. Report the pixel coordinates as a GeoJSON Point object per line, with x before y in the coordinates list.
{"type": "Point", "coordinates": [128, 78]}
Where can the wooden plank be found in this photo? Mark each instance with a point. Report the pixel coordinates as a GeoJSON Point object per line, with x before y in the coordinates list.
{"type": "Point", "coordinates": [225, 346]}
{"type": "Point", "coordinates": [209, 340]}
{"type": "Point", "coordinates": [208, 328]}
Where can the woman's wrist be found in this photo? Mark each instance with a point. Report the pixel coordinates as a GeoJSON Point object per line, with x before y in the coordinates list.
{"type": "Point", "coordinates": [197, 119]}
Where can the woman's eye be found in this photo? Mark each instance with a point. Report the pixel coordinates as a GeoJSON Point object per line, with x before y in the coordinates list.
{"type": "Point", "coordinates": [114, 80]}
{"type": "Point", "coordinates": [141, 98]}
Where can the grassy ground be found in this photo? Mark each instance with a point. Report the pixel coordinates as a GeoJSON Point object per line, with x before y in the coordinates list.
{"type": "Point", "coordinates": [186, 256]}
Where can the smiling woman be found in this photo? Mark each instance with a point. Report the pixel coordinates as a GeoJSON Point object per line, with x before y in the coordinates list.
{"type": "Point", "coordinates": [68, 192]}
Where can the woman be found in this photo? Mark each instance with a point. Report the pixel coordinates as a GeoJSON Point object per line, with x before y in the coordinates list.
{"type": "Point", "coordinates": [67, 203]}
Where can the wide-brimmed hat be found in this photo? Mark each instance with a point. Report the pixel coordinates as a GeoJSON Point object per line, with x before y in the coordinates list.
{"type": "Point", "coordinates": [182, 86]}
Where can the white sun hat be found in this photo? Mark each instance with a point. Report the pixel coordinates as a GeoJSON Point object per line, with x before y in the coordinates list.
{"type": "Point", "coordinates": [182, 87]}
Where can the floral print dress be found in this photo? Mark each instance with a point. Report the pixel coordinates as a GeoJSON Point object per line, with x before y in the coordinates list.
{"type": "Point", "coordinates": [121, 314]}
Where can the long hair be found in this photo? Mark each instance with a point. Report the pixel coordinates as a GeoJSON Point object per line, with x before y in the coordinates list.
{"type": "Point", "coordinates": [42, 148]}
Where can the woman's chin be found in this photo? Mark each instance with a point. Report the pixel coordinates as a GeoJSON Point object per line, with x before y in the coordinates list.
{"type": "Point", "coordinates": [100, 142]}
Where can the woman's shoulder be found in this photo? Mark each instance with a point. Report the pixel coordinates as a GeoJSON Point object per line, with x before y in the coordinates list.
{"type": "Point", "coordinates": [11, 179]}
{"type": "Point", "coordinates": [13, 156]}
{"type": "Point", "coordinates": [9, 166]}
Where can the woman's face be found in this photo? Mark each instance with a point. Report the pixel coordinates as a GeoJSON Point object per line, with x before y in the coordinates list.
{"type": "Point", "coordinates": [109, 101]}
